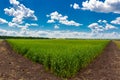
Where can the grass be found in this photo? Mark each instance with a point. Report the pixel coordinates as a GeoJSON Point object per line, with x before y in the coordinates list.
{"type": "Point", "coordinates": [62, 57]}
{"type": "Point", "coordinates": [0, 40]}
{"type": "Point", "coordinates": [118, 43]}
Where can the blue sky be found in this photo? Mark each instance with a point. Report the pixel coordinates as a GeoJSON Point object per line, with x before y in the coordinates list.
{"type": "Point", "coordinates": [60, 18]}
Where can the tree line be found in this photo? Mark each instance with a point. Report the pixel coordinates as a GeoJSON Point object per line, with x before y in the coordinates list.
{"type": "Point", "coordinates": [21, 37]}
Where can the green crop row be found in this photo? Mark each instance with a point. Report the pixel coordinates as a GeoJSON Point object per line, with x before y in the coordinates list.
{"type": "Point", "coordinates": [62, 57]}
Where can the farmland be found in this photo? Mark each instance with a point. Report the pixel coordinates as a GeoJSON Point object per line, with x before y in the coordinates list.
{"type": "Point", "coordinates": [118, 43]}
{"type": "Point", "coordinates": [62, 57]}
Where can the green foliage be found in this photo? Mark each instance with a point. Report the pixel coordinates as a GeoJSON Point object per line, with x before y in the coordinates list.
{"type": "Point", "coordinates": [63, 57]}
{"type": "Point", "coordinates": [20, 37]}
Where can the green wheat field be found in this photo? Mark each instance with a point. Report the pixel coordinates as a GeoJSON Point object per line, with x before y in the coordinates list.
{"type": "Point", "coordinates": [62, 57]}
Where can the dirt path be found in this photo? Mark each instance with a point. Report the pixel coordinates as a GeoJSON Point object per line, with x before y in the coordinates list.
{"type": "Point", "coordinates": [15, 67]}
{"type": "Point", "coordinates": [105, 67]}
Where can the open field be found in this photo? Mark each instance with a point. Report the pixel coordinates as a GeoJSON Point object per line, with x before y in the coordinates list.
{"type": "Point", "coordinates": [62, 57]}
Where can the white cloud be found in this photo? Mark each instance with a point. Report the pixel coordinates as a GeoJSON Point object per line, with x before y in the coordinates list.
{"type": "Point", "coordinates": [60, 34]}
{"type": "Point", "coordinates": [26, 26]}
{"type": "Point", "coordinates": [19, 12]}
{"type": "Point", "coordinates": [2, 31]}
{"type": "Point", "coordinates": [56, 17]}
{"type": "Point", "coordinates": [32, 24]}
{"type": "Point", "coordinates": [50, 21]}
{"type": "Point", "coordinates": [102, 21]}
{"type": "Point", "coordinates": [7, 32]}
{"type": "Point", "coordinates": [3, 21]}
{"type": "Point", "coordinates": [14, 2]}
{"type": "Point", "coordinates": [109, 26]}
{"type": "Point", "coordinates": [99, 21]}
{"type": "Point", "coordinates": [75, 6]}
{"type": "Point", "coordinates": [99, 6]}
{"type": "Point", "coordinates": [116, 21]}
{"type": "Point", "coordinates": [24, 30]}
{"type": "Point", "coordinates": [97, 28]}
{"type": "Point", "coordinates": [56, 27]}
{"type": "Point", "coordinates": [11, 24]}
{"type": "Point", "coordinates": [93, 25]}
{"type": "Point", "coordinates": [22, 27]}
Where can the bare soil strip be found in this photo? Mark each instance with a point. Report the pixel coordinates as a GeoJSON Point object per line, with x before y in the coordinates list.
{"type": "Point", "coordinates": [15, 67]}
{"type": "Point", "coordinates": [105, 67]}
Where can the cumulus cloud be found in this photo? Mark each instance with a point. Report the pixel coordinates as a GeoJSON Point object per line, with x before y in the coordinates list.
{"type": "Point", "coordinates": [56, 27]}
{"type": "Point", "coordinates": [75, 6]}
{"type": "Point", "coordinates": [56, 17]}
{"type": "Point", "coordinates": [26, 26]}
{"type": "Point", "coordinates": [102, 21]}
{"type": "Point", "coordinates": [22, 27]}
{"type": "Point", "coordinates": [106, 6]}
{"type": "Point", "coordinates": [103, 26]}
{"type": "Point", "coordinates": [3, 21]}
{"type": "Point", "coordinates": [19, 12]}
{"type": "Point", "coordinates": [60, 34]}
{"type": "Point", "coordinates": [11, 24]}
{"type": "Point", "coordinates": [95, 27]}
{"type": "Point", "coordinates": [32, 24]}
{"type": "Point", "coordinates": [116, 21]}
{"type": "Point", "coordinates": [14, 2]}
{"type": "Point", "coordinates": [50, 21]}
{"type": "Point", "coordinates": [7, 32]}
{"type": "Point", "coordinates": [109, 26]}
